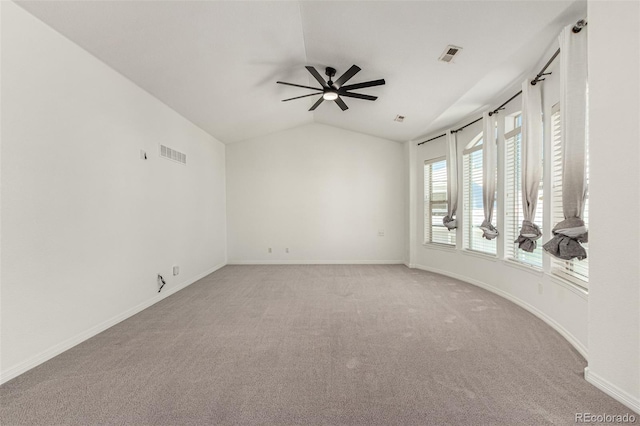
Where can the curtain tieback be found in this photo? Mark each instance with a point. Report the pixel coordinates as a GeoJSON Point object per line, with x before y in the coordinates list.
{"type": "Point", "coordinates": [529, 233]}
{"type": "Point", "coordinates": [567, 236]}
{"type": "Point", "coordinates": [488, 230]}
{"type": "Point", "coordinates": [450, 222]}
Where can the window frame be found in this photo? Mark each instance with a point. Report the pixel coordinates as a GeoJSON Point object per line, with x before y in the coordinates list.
{"type": "Point", "coordinates": [564, 269]}
{"type": "Point", "coordinates": [476, 144]}
{"type": "Point", "coordinates": [427, 239]}
{"type": "Point", "coordinates": [513, 202]}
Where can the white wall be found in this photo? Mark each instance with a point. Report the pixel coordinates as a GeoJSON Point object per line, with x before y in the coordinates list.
{"type": "Point", "coordinates": [614, 133]}
{"type": "Point", "coordinates": [320, 191]}
{"type": "Point", "coordinates": [87, 224]}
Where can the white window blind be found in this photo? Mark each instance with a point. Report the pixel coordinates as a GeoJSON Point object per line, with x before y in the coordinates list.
{"type": "Point", "coordinates": [435, 203]}
{"type": "Point", "coordinates": [575, 270]}
{"type": "Point", "coordinates": [513, 200]}
{"type": "Point", "coordinates": [472, 205]}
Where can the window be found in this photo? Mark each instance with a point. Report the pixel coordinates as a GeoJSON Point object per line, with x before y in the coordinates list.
{"type": "Point", "coordinates": [514, 214]}
{"type": "Point", "coordinates": [473, 210]}
{"type": "Point", "coordinates": [575, 270]}
{"type": "Point", "coordinates": [435, 203]}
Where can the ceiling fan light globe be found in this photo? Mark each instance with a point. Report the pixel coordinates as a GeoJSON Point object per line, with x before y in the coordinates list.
{"type": "Point", "coordinates": [330, 95]}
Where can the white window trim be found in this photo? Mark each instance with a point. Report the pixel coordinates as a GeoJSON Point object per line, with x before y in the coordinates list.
{"type": "Point", "coordinates": [472, 147]}
{"type": "Point", "coordinates": [560, 274]}
{"type": "Point", "coordinates": [512, 133]}
{"type": "Point", "coordinates": [568, 284]}
{"type": "Point", "coordinates": [515, 263]}
{"type": "Point", "coordinates": [508, 241]}
{"type": "Point", "coordinates": [554, 270]}
{"type": "Point", "coordinates": [481, 254]}
{"type": "Point", "coordinates": [440, 246]}
{"type": "Point", "coordinates": [434, 244]}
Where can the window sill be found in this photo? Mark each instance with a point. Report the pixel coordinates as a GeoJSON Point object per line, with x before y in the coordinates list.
{"type": "Point", "coordinates": [480, 254]}
{"type": "Point", "coordinates": [574, 284]}
{"type": "Point", "coordinates": [512, 263]}
{"type": "Point", "coordinates": [439, 246]}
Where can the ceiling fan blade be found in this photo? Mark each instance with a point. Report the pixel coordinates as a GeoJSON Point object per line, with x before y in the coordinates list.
{"type": "Point", "coordinates": [358, 95]}
{"type": "Point", "coordinates": [347, 75]}
{"type": "Point", "coordinates": [298, 97]}
{"type": "Point", "coordinates": [318, 102]}
{"type": "Point", "coordinates": [363, 85]}
{"type": "Point", "coordinates": [299, 85]}
{"type": "Point", "coordinates": [341, 103]}
{"type": "Point", "coordinates": [317, 76]}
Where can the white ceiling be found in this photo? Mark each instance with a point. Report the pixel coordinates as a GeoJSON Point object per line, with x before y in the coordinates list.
{"type": "Point", "coordinates": [217, 63]}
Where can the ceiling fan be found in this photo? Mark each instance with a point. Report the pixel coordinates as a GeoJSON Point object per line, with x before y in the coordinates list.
{"type": "Point", "coordinates": [332, 91]}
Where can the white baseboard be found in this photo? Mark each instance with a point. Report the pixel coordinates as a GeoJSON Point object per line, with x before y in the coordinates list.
{"type": "Point", "coordinates": [535, 311]}
{"type": "Point", "coordinates": [55, 350]}
{"type": "Point", "coordinates": [316, 262]}
{"type": "Point", "coordinates": [612, 390]}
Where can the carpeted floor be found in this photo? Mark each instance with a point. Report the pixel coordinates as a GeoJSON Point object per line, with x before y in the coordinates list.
{"type": "Point", "coordinates": [315, 345]}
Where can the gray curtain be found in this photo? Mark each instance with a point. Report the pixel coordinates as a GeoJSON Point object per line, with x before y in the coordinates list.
{"type": "Point", "coordinates": [452, 182]}
{"type": "Point", "coordinates": [531, 160]}
{"type": "Point", "coordinates": [568, 234]}
{"type": "Point", "coordinates": [489, 164]}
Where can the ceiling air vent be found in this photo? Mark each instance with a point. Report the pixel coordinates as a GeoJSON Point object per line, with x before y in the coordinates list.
{"type": "Point", "coordinates": [449, 53]}
{"type": "Point", "coordinates": [172, 154]}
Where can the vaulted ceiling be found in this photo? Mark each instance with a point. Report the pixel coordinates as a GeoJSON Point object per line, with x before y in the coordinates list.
{"type": "Point", "coordinates": [217, 63]}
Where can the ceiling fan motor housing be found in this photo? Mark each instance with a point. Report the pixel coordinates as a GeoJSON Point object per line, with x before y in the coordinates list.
{"type": "Point", "coordinates": [330, 72]}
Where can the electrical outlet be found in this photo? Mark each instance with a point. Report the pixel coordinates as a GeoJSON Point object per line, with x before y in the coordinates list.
{"type": "Point", "coordinates": [176, 270]}
{"type": "Point", "coordinates": [269, 250]}
{"type": "Point", "coordinates": [380, 233]}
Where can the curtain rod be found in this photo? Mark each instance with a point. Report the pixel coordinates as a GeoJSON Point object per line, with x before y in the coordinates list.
{"type": "Point", "coordinates": [576, 29]}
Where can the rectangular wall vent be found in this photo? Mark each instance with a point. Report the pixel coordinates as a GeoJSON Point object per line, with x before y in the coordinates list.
{"type": "Point", "coordinates": [449, 53]}
{"type": "Point", "coordinates": [172, 154]}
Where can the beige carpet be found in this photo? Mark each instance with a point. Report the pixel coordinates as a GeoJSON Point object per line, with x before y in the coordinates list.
{"type": "Point", "coordinates": [322, 344]}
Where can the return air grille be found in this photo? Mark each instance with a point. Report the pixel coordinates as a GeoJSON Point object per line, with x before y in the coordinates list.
{"type": "Point", "coordinates": [449, 53]}
{"type": "Point", "coordinates": [172, 154]}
